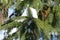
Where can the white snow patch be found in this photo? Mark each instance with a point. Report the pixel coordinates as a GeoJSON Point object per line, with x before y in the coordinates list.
{"type": "Point", "coordinates": [13, 31]}
{"type": "Point", "coordinates": [18, 38]}
{"type": "Point", "coordinates": [40, 38]}
{"type": "Point", "coordinates": [3, 34]}
{"type": "Point", "coordinates": [25, 13]}
{"type": "Point", "coordinates": [20, 20]}
{"type": "Point", "coordinates": [59, 4]}
{"type": "Point", "coordinates": [52, 3]}
{"type": "Point", "coordinates": [11, 10]}
{"type": "Point", "coordinates": [56, 33]}
{"type": "Point", "coordinates": [33, 11]}
{"type": "Point", "coordinates": [21, 0]}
